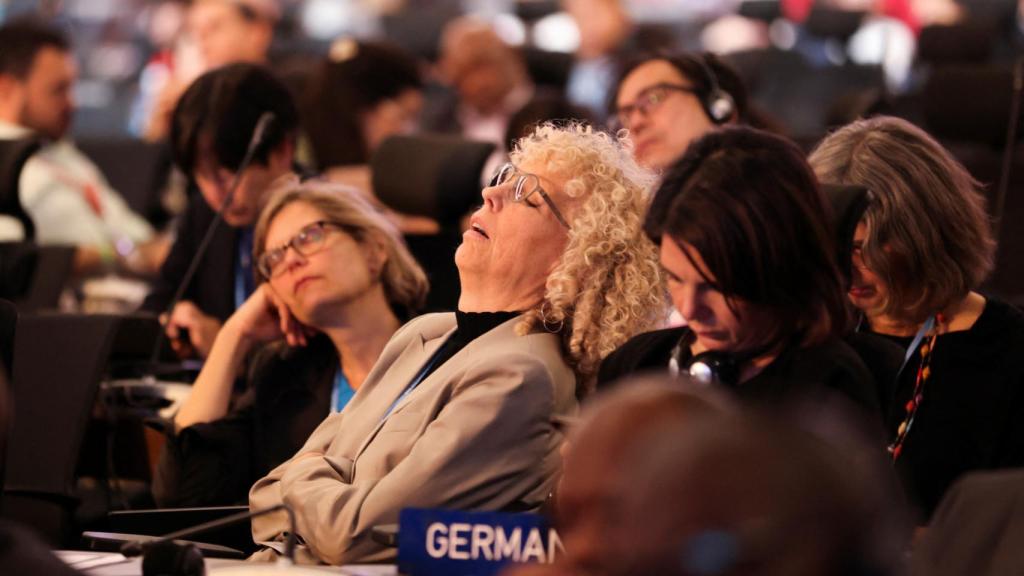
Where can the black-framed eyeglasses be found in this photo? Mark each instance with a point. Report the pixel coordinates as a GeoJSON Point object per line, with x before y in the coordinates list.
{"type": "Point", "coordinates": [525, 185]}
{"type": "Point", "coordinates": [648, 100]}
{"type": "Point", "coordinates": [307, 242]}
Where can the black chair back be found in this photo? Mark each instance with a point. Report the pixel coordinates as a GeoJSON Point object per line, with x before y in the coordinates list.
{"type": "Point", "coordinates": [433, 175]}
{"type": "Point", "coordinates": [13, 155]}
{"type": "Point", "coordinates": [138, 170]}
{"type": "Point", "coordinates": [58, 363]}
{"type": "Point", "coordinates": [438, 176]}
{"type": "Point", "coordinates": [34, 276]}
{"type": "Point", "coordinates": [970, 41]}
{"type": "Point", "coordinates": [8, 322]}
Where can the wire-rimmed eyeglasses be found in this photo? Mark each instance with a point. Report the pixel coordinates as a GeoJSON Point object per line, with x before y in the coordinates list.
{"type": "Point", "coordinates": [525, 185]}
{"type": "Point", "coordinates": [307, 242]}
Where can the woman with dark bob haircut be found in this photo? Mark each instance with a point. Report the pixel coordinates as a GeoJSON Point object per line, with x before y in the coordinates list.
{"type": "Point", "coordinates": [742, 229]}
{"type": "Point", "coordinates": [919, 253]}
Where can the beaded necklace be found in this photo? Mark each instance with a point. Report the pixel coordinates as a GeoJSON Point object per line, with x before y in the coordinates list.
{"type": "Point", "coordinates": [923, 372]}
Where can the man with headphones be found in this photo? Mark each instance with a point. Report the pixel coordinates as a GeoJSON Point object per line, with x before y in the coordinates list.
{"type": "Point", "coordinates": [667, 101]}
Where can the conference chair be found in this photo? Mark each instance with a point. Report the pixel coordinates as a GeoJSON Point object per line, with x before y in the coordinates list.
{"type": "Point", "coordinates": [58, 361]}
{"type": "Point", "coordinates": [977, 528]}
{"type": "Point", "coordinates": [136, 169]}
{"type": "Point", "coordinates": [807, 100]}
{"type": "Point", "coordinates": [8, 322]}
{"type": "Point", "coordinates": [34, 276]}
{"type": "Point", "coordinates": [13, 156]}
{"type": "Point", "coordinates": [968, 108]}
{"type": "Point", "coordinates": [766, 11]}
{"type": "Point", "coordinates": [833, 23]}
{"type": "Point", "coordinates": [971, 41]}
{"type": "Point", "coordinates": [438, 176]}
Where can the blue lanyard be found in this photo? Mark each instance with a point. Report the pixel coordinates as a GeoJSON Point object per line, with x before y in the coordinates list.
{"type": "Point", "coordinates": [921, 333]}
{"type": "Point", "coordinates": [426, 370]}
{"type": "Point", "coordinates": [244, 282]}
{"type": "Point", "coordinates": [342, 392]}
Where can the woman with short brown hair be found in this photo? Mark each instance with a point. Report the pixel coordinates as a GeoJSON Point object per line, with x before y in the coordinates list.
{"type": "Point", "coordinates": [920, 252]}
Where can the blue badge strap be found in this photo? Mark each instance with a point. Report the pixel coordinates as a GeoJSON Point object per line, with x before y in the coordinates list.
{"type": "Point", "coordinates": [921, 333]}
{"type": "Point", "coordinates": [427, 369]}
{"type": "Point", "coordinates": [244, 282]}
{"type": "Point", "coordinates": [341, 393]}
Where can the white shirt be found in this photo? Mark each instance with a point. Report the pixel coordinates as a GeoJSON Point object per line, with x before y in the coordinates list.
{"type": "Point", "coordinates": [69, 199]}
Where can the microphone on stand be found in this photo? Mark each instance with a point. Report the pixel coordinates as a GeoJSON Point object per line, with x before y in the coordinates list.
{"type": "Point", "coordinates": [164, 556]}
{"type": "Point", "coordinates": [258, 136]}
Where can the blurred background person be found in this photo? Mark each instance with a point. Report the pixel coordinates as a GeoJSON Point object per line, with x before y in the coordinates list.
{"type": "Point", "coordinates": [668, 101]}
{"type": "Point", "coordinates": [64, 193]}
{"type": "Point", "coordinates": [216, 33]}
{"type": "Point", "coordinates": [920, 253]}
{"type": "Point", "coordinates": [555, 274]}
{"type": "Point", "coordinates": [363, 93]}
{"type": "Point", "coordinates": [212, 126]}
{"type": "Point", "coordinates": [605, 37]}
{"type": "Point", "coordinates": [336, 282]}
{"type": "Point", "coordinates": [744, 243]}
{"type": "Point", "coordinates": [489, 80]}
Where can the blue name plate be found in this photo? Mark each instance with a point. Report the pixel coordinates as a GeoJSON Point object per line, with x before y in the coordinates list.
{"type": "Point", "coordinates": [455, 543]}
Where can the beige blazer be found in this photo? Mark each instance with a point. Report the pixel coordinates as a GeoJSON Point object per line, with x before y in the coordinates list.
{"type": "Point", "coordinates": [476, 434]}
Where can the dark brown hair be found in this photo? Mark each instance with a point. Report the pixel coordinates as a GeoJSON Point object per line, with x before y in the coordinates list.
{"type": "Point", "coordinates": [747, 202]}
{"type": "Point", "coordinates": [21, 40]}
{"type": "Point", "coordinates": [354, 78]}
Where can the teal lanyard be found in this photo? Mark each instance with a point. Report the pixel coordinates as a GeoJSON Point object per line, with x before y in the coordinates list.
{"type": "Point", "coordinates": [341, 393]}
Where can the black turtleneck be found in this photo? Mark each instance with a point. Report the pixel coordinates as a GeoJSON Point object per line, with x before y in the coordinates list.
{"type": "Point", "coordinates": [470, 326]}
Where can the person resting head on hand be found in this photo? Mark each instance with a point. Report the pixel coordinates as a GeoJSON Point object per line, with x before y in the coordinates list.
{"type": "Point", "coordinates": [336, 282]}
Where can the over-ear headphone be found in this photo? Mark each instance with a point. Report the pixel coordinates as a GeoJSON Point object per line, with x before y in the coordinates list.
{"type": "Point", "coordinates": [709, 367]}
{"type": "Point", "coordinates": [718, 104]}
{"type": "Point", "coordinates": [714, 367]}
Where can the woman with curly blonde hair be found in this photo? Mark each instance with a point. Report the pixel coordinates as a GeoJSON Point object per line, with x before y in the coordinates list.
{"type": "Point", "coordinates": [745, 245]}
{"type": "Point", "coordinates": [607, 284]}
{"type": "Point", "coordinates": [458, 411]}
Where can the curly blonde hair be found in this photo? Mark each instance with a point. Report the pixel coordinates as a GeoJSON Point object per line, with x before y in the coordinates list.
{"type": "Point", "coordinates": [607, 285]}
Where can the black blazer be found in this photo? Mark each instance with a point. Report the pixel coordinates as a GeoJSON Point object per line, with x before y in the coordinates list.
{"type": "Point", "coordinates": [212, 288]}
{"type": "Point", "coordinates": [832, 365]}
{"type": "Point", "coordinates": [216, 463]}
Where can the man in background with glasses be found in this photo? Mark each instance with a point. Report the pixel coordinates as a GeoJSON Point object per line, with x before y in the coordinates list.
{"type": "Point", "coordinates": [666, 102]}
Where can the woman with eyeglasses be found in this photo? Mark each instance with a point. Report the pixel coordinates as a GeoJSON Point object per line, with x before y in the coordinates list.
{"type": "Point", "coordinates": [745, 245]}
{"type": "Point", "coordinates": [919, 254]}
{"type": "Point", "coordinates": [458, 411]}
{"type": "Point", "coordinates": [337, 281]}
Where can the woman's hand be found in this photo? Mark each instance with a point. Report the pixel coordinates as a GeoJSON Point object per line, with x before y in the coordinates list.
{"type": "Point", "coordinates": [265, 317]}
{"type": "Point", "coordinates": [262, 318]}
